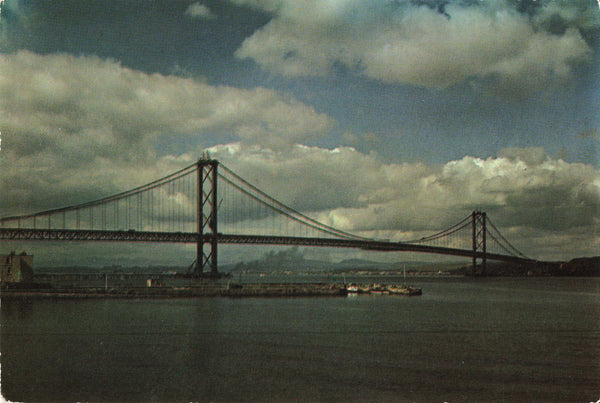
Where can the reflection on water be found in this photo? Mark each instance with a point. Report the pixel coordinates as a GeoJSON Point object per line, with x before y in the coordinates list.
{"type": "Point", "coordinates": [463, 340]}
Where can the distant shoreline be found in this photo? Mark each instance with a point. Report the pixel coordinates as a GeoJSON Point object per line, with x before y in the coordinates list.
{"type": "Point", "coordinates": [578, 267]}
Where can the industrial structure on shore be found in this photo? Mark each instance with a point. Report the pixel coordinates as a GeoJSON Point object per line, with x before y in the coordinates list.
{"type": "Point", "coordinates": [16, 268]}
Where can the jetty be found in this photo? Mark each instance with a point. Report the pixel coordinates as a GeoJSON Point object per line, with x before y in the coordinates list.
{"type": "Point", "coordinates": [208, 289]}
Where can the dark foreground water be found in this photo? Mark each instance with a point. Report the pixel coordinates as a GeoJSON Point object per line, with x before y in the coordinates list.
{"type": "Point", "coordinates": [510, 340]}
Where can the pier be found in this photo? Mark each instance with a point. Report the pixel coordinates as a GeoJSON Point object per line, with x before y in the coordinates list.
{"type": "Point", "coordinates": [209, 289]}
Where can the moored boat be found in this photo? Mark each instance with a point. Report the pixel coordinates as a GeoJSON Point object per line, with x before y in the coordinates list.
{"type": "Point", "coordinates": [352, 289]}
{"type": "Point", "coordinates": [381, 289]}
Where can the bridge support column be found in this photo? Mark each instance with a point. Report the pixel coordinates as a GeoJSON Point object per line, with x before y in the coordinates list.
{"type": "Point", "coordinates": [207, 217]}
{"type": "Point", "coordinates": [479, 241]}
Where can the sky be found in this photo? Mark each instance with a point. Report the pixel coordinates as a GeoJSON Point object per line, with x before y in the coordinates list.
{"type": "Point", "coordinates": [406, 114]}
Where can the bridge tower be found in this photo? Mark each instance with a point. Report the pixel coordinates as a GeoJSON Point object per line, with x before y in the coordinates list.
{"type": "Point", "coordinates": [478, 219]}
{"type": "Point", "coordinates": [207, 217]}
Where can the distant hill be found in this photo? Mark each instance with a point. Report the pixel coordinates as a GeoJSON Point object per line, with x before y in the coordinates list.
{"type": "Point", "coordinates": [582, 267]}
{"type": "Point", "coordinates": [589, 266]}
{"type": "Point", "coordinates": [293, 260]}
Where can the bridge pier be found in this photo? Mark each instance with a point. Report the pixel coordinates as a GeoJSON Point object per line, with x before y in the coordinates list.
{"type": "Point", "coordinates": [207, 217]}
{"type": "Point", "coordinates": [478, 220]}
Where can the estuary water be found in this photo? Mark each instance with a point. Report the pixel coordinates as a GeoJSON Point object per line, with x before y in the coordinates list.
{"type": "Point", "coordinates": [506, 339]}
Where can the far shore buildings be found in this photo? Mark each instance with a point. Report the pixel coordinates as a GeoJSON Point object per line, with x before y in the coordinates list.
{"type": "Point", "coordinates": [16, 268]}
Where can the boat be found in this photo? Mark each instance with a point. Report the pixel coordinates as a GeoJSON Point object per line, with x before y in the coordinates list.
{"type": "Point", "coordinates": [381, 289]}
{"type": "Point", "coordinates": [352, 289]}
{"type": "Point", "coordinates": [378, 289]}
{"type": "Point", "coordinates": [403, 290]}
{"type": "Point", "coordinates": [379, 292]}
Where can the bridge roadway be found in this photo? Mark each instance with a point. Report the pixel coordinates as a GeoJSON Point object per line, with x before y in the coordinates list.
{"type": "Point", "coordinates": [24, 234]}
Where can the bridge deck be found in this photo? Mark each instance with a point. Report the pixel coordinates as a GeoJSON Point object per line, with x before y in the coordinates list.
{"type": "Point", "coordinates": [22, 234]}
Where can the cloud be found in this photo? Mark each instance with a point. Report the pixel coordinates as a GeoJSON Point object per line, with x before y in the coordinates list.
{"type": "Point", "coordinates": [430, 44]}
{"type": "Point", "coordinates": [548, 208]}
{"type": "Point", "coordinates": [72, 125]}
{"type": "Point", "coordinates": [64, 102]}
{"type": "Point", "coordinates": [527, 194]}
{"type": "Point", "coordinates": [198, 10]}
{"type": "Point", "coordinates": [78, 128]}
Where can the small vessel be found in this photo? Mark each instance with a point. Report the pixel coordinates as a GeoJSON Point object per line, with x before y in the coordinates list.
{"type": "Point", "coordinates": [378, 289]}
{"type": "Point", "coordinates": [381, 289]}
{"type": "Point", "coordinates": [403, 290]}
{"type": "Point", "coordinates": [352, 289]}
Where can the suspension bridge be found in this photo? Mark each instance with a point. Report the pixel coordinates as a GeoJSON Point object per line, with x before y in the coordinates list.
{"type": "Point", "coordinates": [208, 204]}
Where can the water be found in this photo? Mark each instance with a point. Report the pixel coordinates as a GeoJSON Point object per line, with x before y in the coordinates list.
{"type": "Point", "coordinates": [463, 340]}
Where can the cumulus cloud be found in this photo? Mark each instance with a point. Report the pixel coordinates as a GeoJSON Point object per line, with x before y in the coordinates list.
{"type": "Point", "coordinates": [435, 44]}
{"type": "Point", "coordinates": [78, 128]}
{"type": "Point", "coordinates": [58, 100]}
{"type": "Point", "coordinates": [536, 201]}
{"type": "Point", "coordinates": [198, 10]}
{"type": "Point", "coordinates": [68, 120]}
{"type": "Point", "coordinates": [526, 193]}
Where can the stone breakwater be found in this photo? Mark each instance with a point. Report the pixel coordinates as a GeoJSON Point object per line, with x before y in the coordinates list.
{"type": "Point", "coordinates": [205, 290]}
